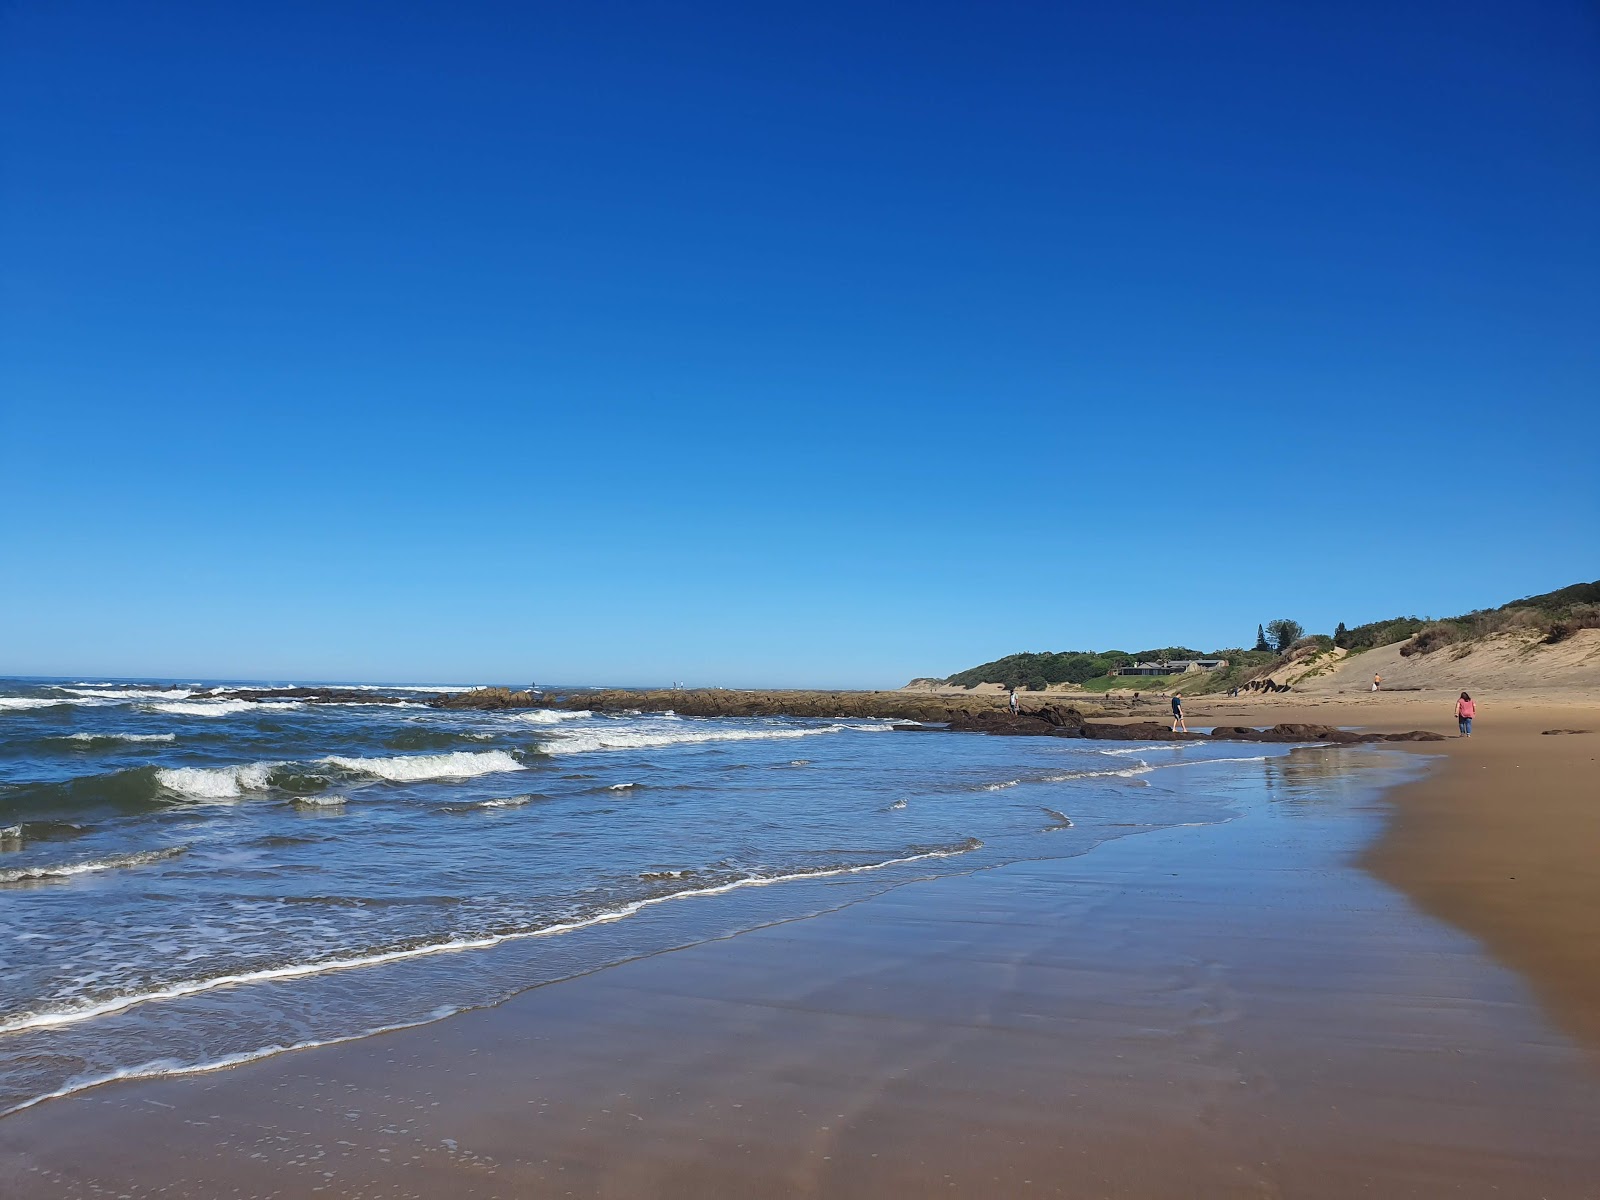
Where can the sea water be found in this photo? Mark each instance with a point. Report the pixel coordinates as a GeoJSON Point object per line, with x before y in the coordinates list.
{"type": "Point", "coordinates": [189, 883]}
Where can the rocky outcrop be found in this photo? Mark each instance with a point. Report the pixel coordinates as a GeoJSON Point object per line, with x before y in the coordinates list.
{"type": "Point", "coordinates": [1053, 721]}
{"type": "Point", "coordinates": [1317, 733]}
{"type": "Point", "coordinates": [310, 695]}
{"type": "Point", "coordinates": [719, 702]}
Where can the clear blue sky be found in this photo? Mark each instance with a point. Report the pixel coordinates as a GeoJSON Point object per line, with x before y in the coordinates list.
{"type": "Point", "coordinates": [805, 344]}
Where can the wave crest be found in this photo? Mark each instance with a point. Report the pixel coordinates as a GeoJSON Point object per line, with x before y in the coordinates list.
{"type": "Point", "coordinates": [408, 768]}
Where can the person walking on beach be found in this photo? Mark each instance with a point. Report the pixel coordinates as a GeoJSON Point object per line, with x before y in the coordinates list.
{"type": "Point", "coordinates": [1016, 707]}
{"type": "Point", "coordinates": [1376, 680]}
{"type": "Point", "coordinates": [1465, 711]}
{"type": "Point", "coordinates": [1177, 715]}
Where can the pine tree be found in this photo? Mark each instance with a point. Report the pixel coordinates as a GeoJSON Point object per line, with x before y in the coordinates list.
{"type": "Point", "coordinates": [1261, 638]}
{"type": "Point", "coordinates": [1339, 634]}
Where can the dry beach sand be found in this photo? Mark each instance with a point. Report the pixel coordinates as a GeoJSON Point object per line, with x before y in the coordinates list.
{"type": "Point", "coordinates": [1349, 991]}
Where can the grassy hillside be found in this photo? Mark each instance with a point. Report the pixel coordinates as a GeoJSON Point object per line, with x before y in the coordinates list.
{"type": "Point", "coordinates": [1549, 618]}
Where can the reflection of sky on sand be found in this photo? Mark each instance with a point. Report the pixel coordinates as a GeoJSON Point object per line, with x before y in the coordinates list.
{"type": "Point", "coordinates": [1319, 775]}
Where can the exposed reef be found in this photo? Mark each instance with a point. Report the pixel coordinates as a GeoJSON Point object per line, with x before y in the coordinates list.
{"type": "Point", "coordinates": [937, 713]}
{"type": "Point", "coordinates": [310, 695]}
{"type": "Point", "coordinates": [1066, 721]}
{"type": "Point", "coordinates": [718, 702]}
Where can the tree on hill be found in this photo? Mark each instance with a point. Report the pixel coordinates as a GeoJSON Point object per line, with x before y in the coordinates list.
{"type": "Point", "coordinates": [1285, 633]}
{"type": "Point", "coordinates": [1261, 640]}
{"type": "Point", "coordinates": [1340, 633]}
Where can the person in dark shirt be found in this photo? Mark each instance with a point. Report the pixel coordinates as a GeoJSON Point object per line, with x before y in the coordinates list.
{"type": "Point", "coordinates": [1177, 715]}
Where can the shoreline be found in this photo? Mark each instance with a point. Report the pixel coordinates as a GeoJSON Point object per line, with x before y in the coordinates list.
{"type": "Point", "coordinates": [851, 977]}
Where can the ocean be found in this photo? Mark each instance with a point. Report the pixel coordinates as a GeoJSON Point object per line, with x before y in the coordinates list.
{"type": "Point", "coordinates": [189, 883]}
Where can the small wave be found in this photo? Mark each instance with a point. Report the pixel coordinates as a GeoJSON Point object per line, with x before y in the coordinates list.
{"type": "Point", "coordinates": [552, 716]}
{"type": "Point", "coordinates": [319, 801]}
{"type": "Point", "coordinates": [132, 693]}
{"type": "Point", "coordinates": [22, 703]}
{"type": "Point", "coordinates": [89, 739]}
{"type": "Point", "coordinates": [11, 833]}
{"type": "Point", "coordinates": [497, 802]}
{"type": "Point", "coordinates": [88, 1010]}
{"type": "Point", "coordinates": [219, 708]}
{"type": "Point", "coordinates": [162, 1068]}
{"type": "Point", "coordinates": [410, 768]}
{"type": "Point", "coordinates": [1061, 820]}
{"type": "Point", "coordinates": [897, 805]}
{"type": "Point", "coordinates": [114, 863]}
{"type": "Point", "coordinates": [218, 783]}
{"type": "Point", "coordinates": [621, 787]}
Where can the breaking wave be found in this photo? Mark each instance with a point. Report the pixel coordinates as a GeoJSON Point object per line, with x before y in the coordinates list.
{"type": "Point", "coordinates": [218, 783]}
{"type": "Point", "coordinates": [583, 741]}
{"type": "Point", "coordinates": [218, 708]}
{"type": "Point", "coordinates": [408, 768]}
{"type": "Point", "coordinates": [116, 862]}
{"type": "Point", "coordinates": [551, 716]}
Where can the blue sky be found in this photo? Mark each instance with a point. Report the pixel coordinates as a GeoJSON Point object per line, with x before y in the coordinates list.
{"type": "Point", "coordinates": [813, 345]}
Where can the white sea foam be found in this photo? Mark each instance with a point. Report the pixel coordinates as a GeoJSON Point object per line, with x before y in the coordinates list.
{"type": "Point", "coordinates": [405, 768]}
{"type": "Point", "coordinates": [11, 833]}
{"type": "Point", "coordinates": [220, 708]}
{"type": "Point", "coordinates": [585, 740]}
{"type": "Point", "coordinates": [114, 863]}
{"type": "Point", "coordinates": [120, 737]}
{"type": "Point", "coordinates": [217, 783]}
{"type": "Point", "coordinates": [551, 716]}
{"type": "Point", "coordinates": [85, 1011]}
{"type": "Point", "coordinates": [132, 693]}
{"type": "Point", "coordinates": [621, 787]}
{"type": "Point", "coordinates": [319, 801]}
{"type": "Point", "coordinates": [1143, 768]}
{"type": "Point", "coordinates": [21, 703]}
{"type": "Point", "coordinates": [162, 1068]}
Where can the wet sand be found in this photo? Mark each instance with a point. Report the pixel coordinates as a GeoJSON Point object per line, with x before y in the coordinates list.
{"type": "Point", "coordinates": [1234, 1010]}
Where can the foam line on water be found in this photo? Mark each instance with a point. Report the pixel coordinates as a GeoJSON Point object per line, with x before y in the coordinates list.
{"type": "Point", "coordinates": [221, 708]}
{"type": "Point", "coordinates": [116, 862]}
{"type": "Point", "coordinates": [120, 737]}
{"type": "Point", "coordinates": [587, 740]}
{"type": "Point", "coordinates": [165, 1068]}
{"type": "Point", "coordinates": [71, 1016]}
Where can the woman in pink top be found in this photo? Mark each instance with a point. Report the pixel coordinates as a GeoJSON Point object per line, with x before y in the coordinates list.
{"type": "Point", "coordinates": [1465, 711]}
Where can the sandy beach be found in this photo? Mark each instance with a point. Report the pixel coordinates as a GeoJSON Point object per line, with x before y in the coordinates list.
{"type": "Point", "coordinates": [1384, 982]}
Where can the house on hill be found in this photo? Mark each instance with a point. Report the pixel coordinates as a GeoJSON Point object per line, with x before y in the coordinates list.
{"type": "Point", "coordinates": [1177, 666]}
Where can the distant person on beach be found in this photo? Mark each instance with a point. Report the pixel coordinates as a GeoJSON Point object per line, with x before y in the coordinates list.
{"type": "Point", "coordinates": [1465, 711]}
{"type": "Point", "coordinates": [1376, 680]}
{"type": "Point", "coordinates": [1015, 706]}
{"type": "Point", "coordinates": [1177, 715]}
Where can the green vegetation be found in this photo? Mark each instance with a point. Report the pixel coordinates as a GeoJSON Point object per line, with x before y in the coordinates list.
{"type": "Point", "coordinates": [1284, 633]}
{"type": "Point", "coordinates": [1552, 616]}
{"type": "Point", "coordinates": [1037, 671]}
{"type": "Point", "coordinates": [1136, 683]}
